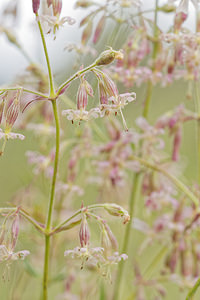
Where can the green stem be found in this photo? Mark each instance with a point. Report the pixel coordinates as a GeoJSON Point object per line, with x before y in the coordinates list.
{"type": "Point", "coordinates": [78, 212]}
{"type": "Point", "coordinates": [192, 292]}
{"type": "Point", "coordinates": [134, 195]}
{"type": "Point", "coordinates": [76, 75]}
{"type": "Point", "coordinates": [47, 57]}
{"type": "Point", "coordinates": [24, 90]}
{"type": "Point", "coordinates": [51, 203]}
{"type": "Point", "coordinates": [32, 221]}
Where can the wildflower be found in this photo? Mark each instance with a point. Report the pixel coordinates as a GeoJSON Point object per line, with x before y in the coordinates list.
{"type": "Point", "coordinates": [54, 22]}
{"type": "Point", "coordinates": [117, 103]}
{"type": "Point", "coordinates": [8, 255]}
{"type": "Point", "coordinates": [81, 115]}
{"type": "Point", "coordinates": [11, 135]}
{"type": "Point", "coordinates": [95, 256]}
{"type": "Point", "coordinates": [9, 235]}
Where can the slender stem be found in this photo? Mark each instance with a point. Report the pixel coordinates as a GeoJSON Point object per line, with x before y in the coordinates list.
{"type": "Point", "coordinates": [78, 212]}
{"type": "Point", "coordinates": [32, 221]}
{"type": "Point", "coordinates": [179, 184]}
{"type": "Point", "coordinates": [134, 195]}
{"type": "Point", "coordinates": [76, 75]}
{"type": "Point", "coordinates": [24, 90]}
{"type": "Point", "coordinates": [193, 290]}
{"type": "Point", "coordinates": [51, 203]}
{"type": "Point", "coordinates": [47, 57]}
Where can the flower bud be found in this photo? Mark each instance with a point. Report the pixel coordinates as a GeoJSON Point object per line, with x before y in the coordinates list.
{"type": "Point", "coordinates": [103, 94]}
{"type": "Point", "coordinates": [84, 232]}
{"type": "Point", "coordinates": [118, 211]}
{"type": "Point", "coordinates": [49, 2]}
{"type": "Point", "coordinates": [167, 8]}
{"type": "Point", "coordinates": [12, 112]}
{"type": "Point", "coordinates": [82, 97]}
{"type": "Point", "coordinates": [108, 56]}
{"type": "Point", "coordinates": [179, 20]}
{"type": "Point", "coordinates": [57, 7]}
{"type": "Point", "coordinates": [36, 5]}
{"type": "Point", "coordinates": [108, 84]}
{"type": "Point", "coordinates": [83, 3]}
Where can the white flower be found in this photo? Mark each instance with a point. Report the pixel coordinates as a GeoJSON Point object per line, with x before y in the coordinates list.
{"type": "Point", "coordinates": [117, 103]}
{"type": "Point", "coordinates": [11, 135]}
{"type": "Point", "coordinates": [81, 115]}
{"type": "Point", "coordinates": [6, 254]}
{"type": "Point", "coordinates": [54, 22]}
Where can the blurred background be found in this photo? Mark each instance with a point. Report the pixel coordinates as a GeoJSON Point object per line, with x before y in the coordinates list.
{"type": "Point", "coordinates": [15, 173]}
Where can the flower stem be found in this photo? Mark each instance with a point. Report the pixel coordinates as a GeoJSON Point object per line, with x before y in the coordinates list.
{"type": "Point", "coordinates": [76, 75]}
{"type": "Point", "coordinates": [192, 292]}
{"type": "Point", "coordinates": [134, 195]}
{"type": "Point", "coordinates": [51, 203]}
{"type": "Point", "coordinates": [24, 90]}
{"type": "Point", "coordinates": [47, 57]}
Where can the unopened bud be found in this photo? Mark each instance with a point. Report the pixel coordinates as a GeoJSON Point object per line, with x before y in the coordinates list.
{"type": "Point", "coordinates": [179, 20]}
{"type": "Point", "coordinates": [118, 211]}
{"type": "Point", "coordinates": [12, 112]}
{"type": "Point", "coordinates": [82, 97]}
{"type": "Point", "coordinates": [84, 232]}
{"type": "Point", "coordinates": [108, 56]}
{"type": "Point", "coordinates": [83, 3]}
{"type": "Point", "coordinates": [49, 2]}
{"type": "Point", "coordinates": [57, 7]}
{"type": "Point", "coordinates": [167, 8]}
{"type": "Point", "coordinates": [36, 5]}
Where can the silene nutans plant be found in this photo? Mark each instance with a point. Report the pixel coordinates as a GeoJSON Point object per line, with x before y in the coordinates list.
{"type": "Point", "coordinates": [100, 189]}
